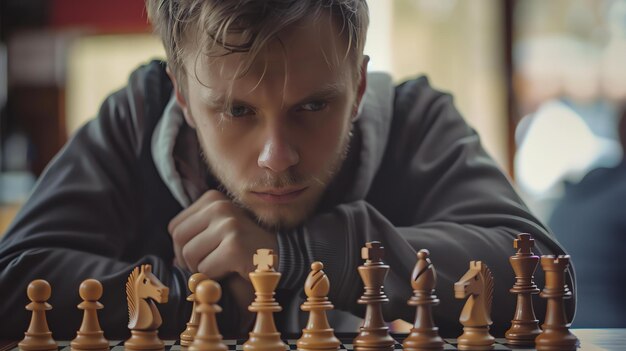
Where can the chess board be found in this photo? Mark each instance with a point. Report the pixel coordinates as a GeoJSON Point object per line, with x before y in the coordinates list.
{"type": "Point", "coordinates": [237, 345]}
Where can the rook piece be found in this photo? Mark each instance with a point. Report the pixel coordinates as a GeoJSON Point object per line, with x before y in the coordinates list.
{"type": "Point", "coordinates": [477, 283]}
{"type": "Point", "coordinates": [142, 289]}
{"type": "Point", "coordinates": [38, 337]}
{"type": "Point", "coordinates": [208, 337]}
{"type": "Point", "coordinates": [264, 336]}
{"type": "Point", "coordinates": [90, 337]}
{"type": "Point", "coordinates": [374, 333]}
{"type": "Point", "coordinates": [524, 326]}
{"type": "Point", "coordinates": [186, 337]}
{"type": "Point", "coordinates": [424, 334]}
{"type": "Point", "coordinates": [556, 334]}
{"type": "Point", "coordinates": [318, 335]}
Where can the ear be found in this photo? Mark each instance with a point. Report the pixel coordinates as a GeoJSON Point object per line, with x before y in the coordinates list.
{"type": "Point", "coordinates": [361, 88]}
{"type": "Point", "coordinates": [180, 99]}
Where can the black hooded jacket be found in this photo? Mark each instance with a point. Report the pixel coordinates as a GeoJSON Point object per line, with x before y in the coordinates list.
{"type": "Point", "coordinates": [416, 177]}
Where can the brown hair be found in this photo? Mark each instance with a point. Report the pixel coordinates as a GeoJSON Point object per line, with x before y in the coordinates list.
{"type": "Point", "coordinates": [255, 22]}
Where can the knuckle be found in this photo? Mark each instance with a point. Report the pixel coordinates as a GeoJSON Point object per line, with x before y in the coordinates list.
{"type": "Point", "coordinates": [188, 257]}
{"type": "Point", "coordinates": [209, 196]}
{"type": "Point", "coordinates": [229, 225]}
{"type": "Point", "coordinates": [177, 235]}
{"type": "Point", "coordinates": [220, 208]}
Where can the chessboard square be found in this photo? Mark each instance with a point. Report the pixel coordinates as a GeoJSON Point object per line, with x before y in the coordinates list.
{"type": "Point", "coordinates": [118, 348]}
{"type": "Point", "coordinates": [448, 346]}
{"type": "Point", "coordinates": [63, 343]}
{"type": "Point", "coordinates": [169, 342]}
{"type": "Point", "coordinates": [175, 347]}
{"type": "Point", "coordinates": [292, 344]}
{"type": "Point", "coordinates": [113, 343]}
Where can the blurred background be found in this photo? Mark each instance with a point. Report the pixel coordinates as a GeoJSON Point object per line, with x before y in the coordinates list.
{"type": "Point", "coordinates": [543, 82]}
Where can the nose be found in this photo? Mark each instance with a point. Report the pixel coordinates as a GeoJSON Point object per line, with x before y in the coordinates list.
{"type": "Point", "coordinates": [277, 154]}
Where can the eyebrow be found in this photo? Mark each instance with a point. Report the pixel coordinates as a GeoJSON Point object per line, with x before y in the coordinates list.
{"type": "Point", "coordinates": [325, 92]}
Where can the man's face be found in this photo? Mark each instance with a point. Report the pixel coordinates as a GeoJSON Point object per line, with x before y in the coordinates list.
{"type": "Point", "coordinates": [285, 135]}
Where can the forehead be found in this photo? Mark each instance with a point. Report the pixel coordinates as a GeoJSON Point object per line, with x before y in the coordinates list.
{"type": "Point", "coordinates": [311, 52]}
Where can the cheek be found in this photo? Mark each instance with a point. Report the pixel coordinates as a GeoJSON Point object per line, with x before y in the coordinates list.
{"type": "Point", "coordinates": [325, 142]}
{"type": "Point", "coordinates": [225, 150]}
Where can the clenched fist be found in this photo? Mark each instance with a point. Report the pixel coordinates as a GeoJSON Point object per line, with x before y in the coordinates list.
{"type": "Point", "coordinates": [216, 237]}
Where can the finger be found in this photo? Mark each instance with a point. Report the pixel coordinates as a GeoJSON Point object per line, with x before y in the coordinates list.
{"type": "Point", "coordinates": [206, 198]}
{"type": "Point", "coordinates": [199, 221]}
{"type": "Point", "coordinates": [202, 245]}
{"type": "Point", "coordinates": [178, 257]}
{"type": "Point", "coordinates": [217, 264]}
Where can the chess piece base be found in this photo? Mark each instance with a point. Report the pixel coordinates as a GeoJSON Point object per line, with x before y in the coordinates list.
{"type": "Point", "coordinates": [264, 342]}
{"type": "Point", "coordinates": [522, 333]}
{"type": "Point", "coordinates": [144, 340]}
{"type": "Point", "coordinates": [207, 343]}
{"type": "Point", "coordinates": [186, 338]}
{"type": "Point", "coordinates": [89, 341]}
{"type": "Point", "coordinates": [38, 342]}
{"type": "Point", "coordinates": [423, 339]}
{"type": "Point", "coordinates": [560, 339]}
{"type": "Point", "coordinates": [476, 338]}
{"type": "Point", "coordinates": [318, 340]}
{"type": "Point", "coordinates": [374, 340]}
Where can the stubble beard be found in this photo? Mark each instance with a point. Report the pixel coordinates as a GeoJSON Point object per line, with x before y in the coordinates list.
{"type": "Point", "coordinates": [284, 217]}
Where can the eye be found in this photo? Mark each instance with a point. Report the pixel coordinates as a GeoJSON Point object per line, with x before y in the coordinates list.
{"type": "Point", "coordinates": [238, 111]}
{"type": "Point", "coordinates": [313, 106]}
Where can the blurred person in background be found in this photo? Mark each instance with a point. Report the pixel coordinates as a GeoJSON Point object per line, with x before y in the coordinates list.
{"type": "Point", "coordinates": [590, 222]}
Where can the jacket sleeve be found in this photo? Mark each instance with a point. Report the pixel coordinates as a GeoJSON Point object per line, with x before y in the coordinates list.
{"type": "Point", "coordinates": [436, 189]}
{"type": "Point", "coordinates": [81, 221]}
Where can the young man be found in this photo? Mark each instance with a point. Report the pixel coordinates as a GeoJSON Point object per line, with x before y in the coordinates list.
{"type": "Point", "coordinates": [264, 131]}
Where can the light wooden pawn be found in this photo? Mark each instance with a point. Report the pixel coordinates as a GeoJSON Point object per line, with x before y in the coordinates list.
{"type": "Point", "coordinates": [38, 337]}
{"type": "Point", "coordinates": [186, 337]}
{"type": "Point", "coordinates": [208, 337]}
{"type": "Point", "coordinates": [90, 336]}
{"type": "Point", "coordinates": [318, 335]}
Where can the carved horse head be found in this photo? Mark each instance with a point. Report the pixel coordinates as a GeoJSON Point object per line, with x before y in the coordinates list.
{"type": "Point", "coordinates": [477, 283]}
{"type": "Point", "coordinates": [142, 289]}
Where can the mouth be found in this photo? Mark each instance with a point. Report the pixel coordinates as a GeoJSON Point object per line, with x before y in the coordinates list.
{"type": "Point", "coordinates": [280, 196]}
